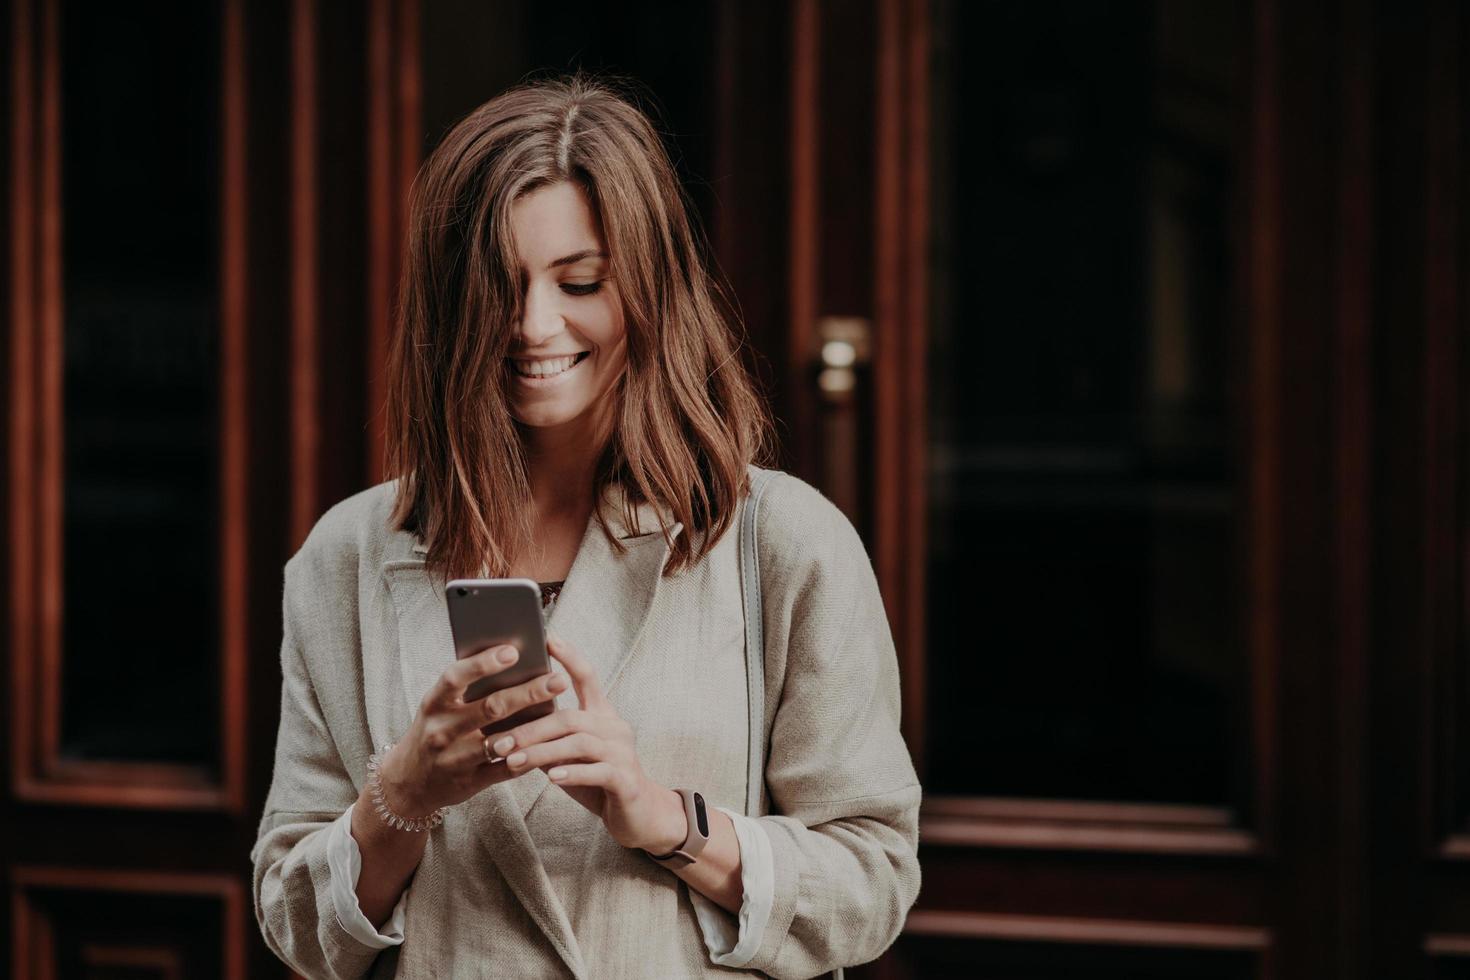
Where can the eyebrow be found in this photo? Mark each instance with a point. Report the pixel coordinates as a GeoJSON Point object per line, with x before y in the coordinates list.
{"type": "Point", "coordinates": [586, 253]}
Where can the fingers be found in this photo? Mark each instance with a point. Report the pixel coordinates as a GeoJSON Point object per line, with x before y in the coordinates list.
{"type": "Point", "coordinates": [466, 760]}
{"type": "Point", "coordinates": [448, 690]}
{"type": "Point", "coordinates": [579, 746]}
{"type": "Point", "coordinates": [465, 753]}
{"type": "Point", "coordinates": [602, 774]}
{"type": "Point", "coordinates": [581, 671]}
{"type": "Point", "coordinates": [555, 725]}
{"type": "Point", "coordinates": [502, 704]}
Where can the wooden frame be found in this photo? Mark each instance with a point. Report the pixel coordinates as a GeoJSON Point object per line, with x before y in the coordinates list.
{"type": "Point", "coordinates": [1110, 932]}
{"type": "Point", "coordinates": [900, 338]}
{"type": "Point", "coordinates": [805, 216]}
{"type": "Point", "coordinates": [33, 935]}
{"type": "Point", "coordinates": [1062, 944]}
{"type": "Point", "coordinates": [1304, 253]}
{"type": "Point", "coordinates": [1352, 386]}
{"type": "Point", "coordinates": [306, 414]}
{"type": "Point", "coordinates": [39, 772]}
{"type": "Point", "coordinates": [1446, 533]}
{"type": "Point", "coordinates": [393, 148]}
{"type": "Point", "coordinates": [1084, 825]}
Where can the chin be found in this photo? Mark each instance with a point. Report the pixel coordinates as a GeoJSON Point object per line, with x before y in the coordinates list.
{"type": "Point", "coordinates": [545, 419]}
{"type": "Point", "coordinates": [564, 408]}
{"type": "Point", "coordinates": [549, 416]}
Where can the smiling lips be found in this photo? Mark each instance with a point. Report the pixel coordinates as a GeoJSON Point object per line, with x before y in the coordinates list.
{"type": "Point", "coordinates": [546, 367]}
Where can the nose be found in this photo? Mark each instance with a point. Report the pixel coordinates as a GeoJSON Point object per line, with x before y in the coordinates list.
{"type": "Point", "coordinates": [540, 319]}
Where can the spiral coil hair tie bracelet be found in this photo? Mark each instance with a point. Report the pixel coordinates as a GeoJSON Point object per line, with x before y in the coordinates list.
{"type": "Point", "coordinates": [375, 788]}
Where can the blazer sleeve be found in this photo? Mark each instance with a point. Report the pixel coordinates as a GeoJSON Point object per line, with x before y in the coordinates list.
{"type": "Point", "coordinates": [843, 792]}
{"type": "Point", "coordinates": [310, 788]}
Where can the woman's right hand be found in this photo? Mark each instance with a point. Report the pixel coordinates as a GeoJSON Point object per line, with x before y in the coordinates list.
{"type": "Point", "coordinates": [441, 761]}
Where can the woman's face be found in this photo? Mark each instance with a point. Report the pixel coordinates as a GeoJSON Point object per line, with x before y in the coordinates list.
{"type": "Point", "coordinates": [570, 347]}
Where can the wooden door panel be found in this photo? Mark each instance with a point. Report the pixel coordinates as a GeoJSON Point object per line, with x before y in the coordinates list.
{"type": "Point", "coordinates": [1134, 659]}
{"type": "Point", "coordinates": [71, 922]}
{"type": "Point", "coordinates": [186, 389]}
{"type": "Point", "coordinates": [127, 403]}
{"type": "Point", "coordinates": [1031, 948]}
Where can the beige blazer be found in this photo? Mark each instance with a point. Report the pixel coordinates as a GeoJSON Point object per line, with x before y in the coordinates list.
{"type": "Point", "coordinates": [520, 881]}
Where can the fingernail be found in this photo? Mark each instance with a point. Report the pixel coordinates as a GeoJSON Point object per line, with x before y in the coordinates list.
{"type": "Point", "coordinates": [558, 774]}
{"type": "Point", "coordinates": [506, 655]}
{"type": "Point", "coordinates": [556, 683]}
{"type": "Point", "coordinates": [503, 746]}
{"type": "Point", "coordinates": [516, 759]}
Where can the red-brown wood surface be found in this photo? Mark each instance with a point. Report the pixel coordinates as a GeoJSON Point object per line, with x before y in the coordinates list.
{"type": "Point", "coordinates": [38, 433]}
{"type": "Point", "coordinates": [1341, 849]}
{"type": "Point", "coordinates": [393, 149]}
{"type": "Point", "coordinates": [306, 409]}
{"type": "Point", "coordinates": [36, 928]}
{"type": "Point", "coordinates": [97, 827]}
{"type": "Point", "coordinates": [900, 338]}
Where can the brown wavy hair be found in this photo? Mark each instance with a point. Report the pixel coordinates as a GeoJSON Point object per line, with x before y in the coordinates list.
{"type": "Point", "coordinates": [688, 418]}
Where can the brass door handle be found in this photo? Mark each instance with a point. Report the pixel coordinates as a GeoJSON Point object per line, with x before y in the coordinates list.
{"type": "Point", "coordinates": [845, 344]}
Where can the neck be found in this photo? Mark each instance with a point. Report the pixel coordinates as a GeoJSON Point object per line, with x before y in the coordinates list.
{"type": "Point", "coordinates": [561, 463]}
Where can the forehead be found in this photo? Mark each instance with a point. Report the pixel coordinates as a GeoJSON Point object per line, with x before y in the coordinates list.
{"type": "Point", "coordinates": [553, 221]}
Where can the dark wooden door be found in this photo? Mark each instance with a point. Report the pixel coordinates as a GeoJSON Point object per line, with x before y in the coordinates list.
{"type": "Point", "coordinates": [1131, 336]}
{"type": "Point", "coordinates": [129, 520]}
{"type": "Point", "coordinates": [201, 205]}
{"type": "Point", "coordinates": [1147, 359]}
{"type": "Point", "coordinates": [1418, 813]}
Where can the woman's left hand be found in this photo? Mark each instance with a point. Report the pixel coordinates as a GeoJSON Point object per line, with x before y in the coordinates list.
{"type": "Point", "coordinates": [589, 751]}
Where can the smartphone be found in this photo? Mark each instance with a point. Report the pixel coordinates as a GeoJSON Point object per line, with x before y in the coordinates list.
{"type": "Point", "coordinates": [485, 613]}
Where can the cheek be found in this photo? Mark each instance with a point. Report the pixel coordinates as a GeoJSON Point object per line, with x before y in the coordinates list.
{"type": "Point", "coordinates": [609, 325]}
{"type": "Point", "coordinates": [609, 341]}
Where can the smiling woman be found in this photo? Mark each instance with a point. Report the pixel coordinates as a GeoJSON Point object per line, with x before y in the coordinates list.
{"type": "Point", "coordinates": [572, 345]}
{"type": "Point", "coordinates": [568, 406]}
{"type": "Point", "coordinates": [575, 236]}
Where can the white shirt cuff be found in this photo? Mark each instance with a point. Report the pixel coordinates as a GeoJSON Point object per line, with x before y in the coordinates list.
{"type": "Point", "coordinates": [345, 861]}
{"type": "Point", "coordinates": [734, 941]}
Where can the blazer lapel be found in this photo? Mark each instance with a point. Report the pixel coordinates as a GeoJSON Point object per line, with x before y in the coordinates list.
{"type": "Point", "coordinates": [607, 595]}
{"type": "Point", "coordinates": [600, 612]}
{"type": "Point", "coordinates": [425, 650]}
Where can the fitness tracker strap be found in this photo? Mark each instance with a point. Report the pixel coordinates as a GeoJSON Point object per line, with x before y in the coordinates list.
{"type": "Point", "coordinates": [698, 835]}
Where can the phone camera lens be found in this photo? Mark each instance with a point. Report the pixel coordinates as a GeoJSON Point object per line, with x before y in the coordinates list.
{"type": "Point", "coordinates": [462, 591]}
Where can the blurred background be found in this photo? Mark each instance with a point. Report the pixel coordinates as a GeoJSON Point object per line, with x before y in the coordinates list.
{"type": "Point", "coordinates": [1130, 331]}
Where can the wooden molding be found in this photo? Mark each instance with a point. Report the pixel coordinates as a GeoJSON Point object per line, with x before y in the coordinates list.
{"type": "Point", "coordinates": [900, 341]}
{"type": "Point", "coordinates": [805, 211]}
{"type": "Point", "coordinates": [1445, 601]}
{"type": "Point", "coordinates": [37, 434]}
{"type": "Point", "coordinates": [1119, 932]}
{"type": "Point", "coordinates": [1083, 825]}
{"type": "Point", "coordinates": [25, 226]}
{"type": "Point", "coordinates": [394, 140]}
{"type": "Point", "coordinates": [1447, 945]}
{"type": "Point", "coordinates": [34, 933]}
{"type": "Point", "coordinates": [306, 409]}
{"type": "Point", "coordinates": [1352, 423]}
{"type": "Point", "coordinates": [1259, 269]}
{"type": "Point", "coordinates": [160, 961]}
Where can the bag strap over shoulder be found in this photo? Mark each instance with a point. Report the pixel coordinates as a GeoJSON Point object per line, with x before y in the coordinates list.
{"type": "Point", "coordinates": [755, 641]}
{"type": "Point", "coordinates": [755, 650]}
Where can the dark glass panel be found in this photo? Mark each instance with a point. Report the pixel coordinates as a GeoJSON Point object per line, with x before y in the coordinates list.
{"type": "Point", "coordinates": [141, 230]}
{"type": "Point", "coordinates": [1084, 583]}
{"type": "Point", "coordinates": [474, 51]}
{"type": "Point", "coordinates": [117, 935]}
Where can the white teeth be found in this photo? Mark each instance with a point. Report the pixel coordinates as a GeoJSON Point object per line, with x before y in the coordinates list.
{"type": "Point", "coordinates": [546, 368]}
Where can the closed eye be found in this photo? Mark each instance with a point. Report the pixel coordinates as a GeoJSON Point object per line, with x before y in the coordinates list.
{"type": "Point", "coordinates": [581, 288]}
